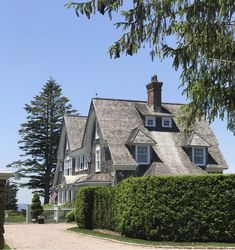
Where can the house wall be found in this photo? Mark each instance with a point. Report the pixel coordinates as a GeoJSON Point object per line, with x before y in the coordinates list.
{"type": "Point", "coordinates": [2, 207]}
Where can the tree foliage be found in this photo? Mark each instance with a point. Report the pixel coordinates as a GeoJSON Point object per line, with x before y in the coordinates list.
{"type": "Point", "coordinates": [10, 196]}
{"type": "Point", "coordinates": [197, 35]}
{"type": "Point", "coordinates": [40, 138]}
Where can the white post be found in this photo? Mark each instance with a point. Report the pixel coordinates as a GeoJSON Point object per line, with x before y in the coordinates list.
{"type": "Point", "coordinates": [59, 201]}
{"type": "Point", "coordinates": [28, 213]}
{"type": "Point", "coordinates": [62, 192]}
{"type": "Point", "coordinates": [56, 213]}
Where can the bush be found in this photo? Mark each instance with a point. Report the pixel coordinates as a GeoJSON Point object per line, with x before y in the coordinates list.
{"type": "Point", "coordinates": [70, 217]}
{"type": "Point", "coordinates": [84, 207]}
{"type": "Point", "coordinates": [36, 207]}
{"type": "Point", "coordinates": [186, 208]}
{"type": "Point", "coordinates": [95, 207]}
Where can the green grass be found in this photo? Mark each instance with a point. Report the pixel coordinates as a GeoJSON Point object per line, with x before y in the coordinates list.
{"type": "Point", "coordinates": [6, 246]}
{"type": "Point", "coordinates": [152, 243]}
{"type": "Point", "coordinates": [15, 219]}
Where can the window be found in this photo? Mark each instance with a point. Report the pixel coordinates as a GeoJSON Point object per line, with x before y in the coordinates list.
{"type": "Point", "coordinates": [97, 158]}
{"type": "Point", "coordinates": [199, 156]}
{"type": "Point", "coordinates": [86, 161]}
{"type": "Point", "coordinates": [96, 131]}
{"type": "Point", "coordinates": [142, 154]}
{"type": "Point", "coordinates": [81, 162]}
{"type": "Point", "coordinates": [166, 122]}
{"type": "Point", "coordinates": [149, 121]}
{"type": "Point", "coordinates": [68, 166]}
{"type": "Point", "coordinates": [77, 164]}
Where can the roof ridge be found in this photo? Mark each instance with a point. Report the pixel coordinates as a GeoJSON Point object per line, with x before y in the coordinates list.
{"type": "Point", "coordinates": [77, 116]}
{"type": "Point", "coordinates": [129, 100]}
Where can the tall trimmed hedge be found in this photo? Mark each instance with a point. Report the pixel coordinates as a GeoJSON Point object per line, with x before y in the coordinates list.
{"type": "Point", "coordinates": [95, 207]}
{"type": "Point", "coordinates": [186, 208]}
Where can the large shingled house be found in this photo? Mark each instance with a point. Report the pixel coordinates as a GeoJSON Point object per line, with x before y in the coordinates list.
{"type": "Point", "coordinates": [122, 138]}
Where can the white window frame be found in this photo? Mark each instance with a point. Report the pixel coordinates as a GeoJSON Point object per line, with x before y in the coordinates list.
{"type": "Point", "coordinates": [86, 160]}
{"type": "Point", "coordinates": [168, 119]}
{"type": "Point", "coordinates": [97, 158]}
{"type": "Point", "coordinates": [96, 131]}
{"type": "Point", "coordinates": [81, 163]}
{"type": "Point", "coordinates": [148, 154]}
{"type": "Point", "coordinates": [150, 118]}
{"type": "Point", "coordinates": [76, 164]}
{"type": "Point", "coordinates": [68, 163]}
{"type": "Point", "coordinates": [203, 155]}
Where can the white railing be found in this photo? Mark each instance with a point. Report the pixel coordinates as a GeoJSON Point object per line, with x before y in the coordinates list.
{"type": "Point", "coordinates": [55, 214]}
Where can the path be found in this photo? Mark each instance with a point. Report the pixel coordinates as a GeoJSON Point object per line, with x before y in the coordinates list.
{"type": "Point", "coordinates": [54, 236]}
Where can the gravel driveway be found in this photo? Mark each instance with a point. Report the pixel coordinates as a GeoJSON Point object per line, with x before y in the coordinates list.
{"type": "Point", "coordinates": [54, 236]}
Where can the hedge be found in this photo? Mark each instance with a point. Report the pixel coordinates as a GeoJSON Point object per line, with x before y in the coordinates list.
{"type": "Point", "coordinates": [187, 208]}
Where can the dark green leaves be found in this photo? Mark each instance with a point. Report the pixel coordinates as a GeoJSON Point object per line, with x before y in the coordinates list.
{"type": "Point", "coordinates": [203, 47]}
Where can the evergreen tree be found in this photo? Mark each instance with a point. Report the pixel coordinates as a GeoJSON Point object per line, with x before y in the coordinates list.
{"type": "Point", "coordinates": [10, 197]}
{"type": "Point", "coordinates": [40, 138]}
{"type": "Point", "coordinates": [36, 207]}
{"type": "Point", "coordinates": [197, 35]}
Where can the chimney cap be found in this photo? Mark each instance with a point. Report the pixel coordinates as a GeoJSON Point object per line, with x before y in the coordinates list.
{"type": "Point", "coordinates": [154, 78]}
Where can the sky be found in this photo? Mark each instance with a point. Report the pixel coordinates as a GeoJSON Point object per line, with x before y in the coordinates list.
{"type": "Point", "coordinates": [43, 39]}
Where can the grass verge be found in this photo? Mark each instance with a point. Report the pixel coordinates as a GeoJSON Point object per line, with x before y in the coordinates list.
{"type": "Point", "coordinates": [153, 243]}
{"type": "Point", "coordinates": [6, 247]}
{"type": "Point", "coordinates": [15, 219]}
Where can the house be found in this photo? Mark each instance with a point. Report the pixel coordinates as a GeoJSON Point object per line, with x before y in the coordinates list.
{"type": "Point", "coordinates": [123, 138]}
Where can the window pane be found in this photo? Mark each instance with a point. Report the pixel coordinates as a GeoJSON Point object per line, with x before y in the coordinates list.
{"type": "Point", "coordinates": [142, 154]}
{"type": "Point", "coordinates": [198, 156]}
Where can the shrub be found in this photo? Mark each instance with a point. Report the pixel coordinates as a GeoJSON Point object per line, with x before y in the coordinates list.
{"type": "Point", "coordinates": [70, 217]}
{"type": "Point", "coordinates": [36, 207]}
{"type": "Point", "coordinates": [183, 208]}
{"type": "Point", "coordinates": [84, 207]}
{"type": "Point", "coordinates": [104, 208]}
{"type": "Point", "coordinates": [188, 208]}
{"type": "Point", "coordinates": [95, 207]}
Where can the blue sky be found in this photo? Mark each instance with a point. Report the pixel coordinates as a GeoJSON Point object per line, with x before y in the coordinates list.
{"type": "Point", "coordinates": [43, 39]}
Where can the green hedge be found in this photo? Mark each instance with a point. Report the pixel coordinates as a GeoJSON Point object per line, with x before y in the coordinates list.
{"type": "Point", "coordinates": [187, 208]}
{"type": "Point", "coordinates": [95, 207]}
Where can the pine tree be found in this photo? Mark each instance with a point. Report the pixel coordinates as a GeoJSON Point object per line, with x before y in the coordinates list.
{"type": "Point", "coordinates": [40, 138]}
{"type": "Point", "coordinates": [199, 37]}
{"type": "Point", "coordinates": [10, 197]}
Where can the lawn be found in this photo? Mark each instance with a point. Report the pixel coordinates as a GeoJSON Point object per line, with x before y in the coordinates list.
{"type": "Point", "coordinates": [152, 243]}
{"type": "Point", "coordinates": [15, 219]}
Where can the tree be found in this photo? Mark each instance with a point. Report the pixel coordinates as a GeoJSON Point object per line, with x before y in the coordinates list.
{"type": "Point", "coordinates": [10, 197]}
{"type": "Point", "coordinates": [40, 138]}
{"type": "Point", "coordinates": [197, 35]}
{"type": "Point", "coordinates": [36, 207]}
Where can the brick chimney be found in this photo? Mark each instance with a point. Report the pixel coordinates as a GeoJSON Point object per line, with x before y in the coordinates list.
{"type": "Point", "coordinates": [154, 94]}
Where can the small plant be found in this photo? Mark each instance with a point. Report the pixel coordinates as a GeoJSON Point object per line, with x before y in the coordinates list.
{"type": "Point", "coordinates": [36, 207]}
{"type": "Point", "coordinates": [70, 217]}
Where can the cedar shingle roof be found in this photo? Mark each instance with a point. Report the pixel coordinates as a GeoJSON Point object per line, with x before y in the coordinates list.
{"type": "Point", "coordinates": [119, 120]}
{"type": "Point", "coordinates": [75, 126]}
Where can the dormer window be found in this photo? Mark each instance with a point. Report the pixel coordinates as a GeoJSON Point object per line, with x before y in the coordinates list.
{"type": "Point", "coordinates": [150, 121]}
{"type": "Point", "coordinates": [199, 156]}
{"type": "Point", "coordinates": [166, 122]}
{"type": "Point", "coordinates": [142, 154]}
